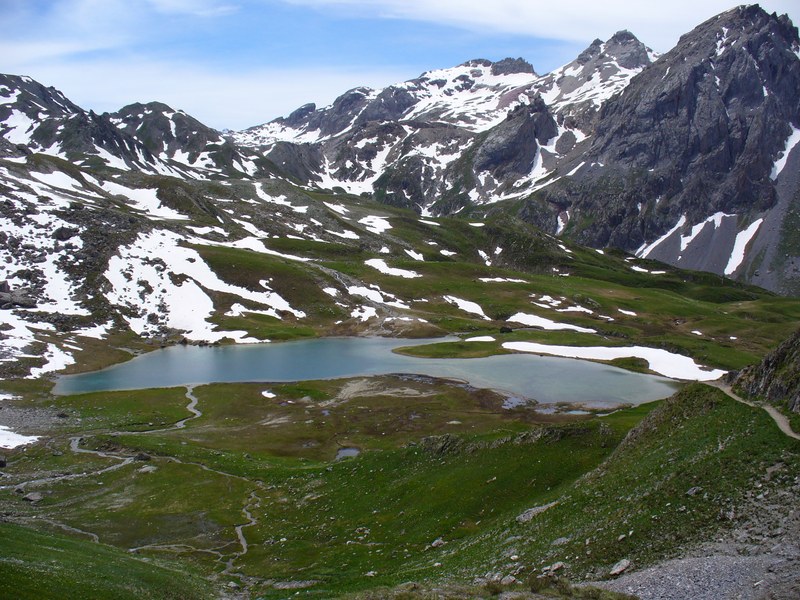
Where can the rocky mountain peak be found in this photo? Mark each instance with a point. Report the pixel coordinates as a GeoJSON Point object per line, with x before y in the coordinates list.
{"type": "Point", "coordinates": [692, 146]}
{"type": "Point", "coordinates": [30, 97]}
{"type": "Point", "coordinates": [623, 48]}
{"type": "Point", "coordinates": [593, 50]}
{"type": "Point", "coordinates": [508, 66]}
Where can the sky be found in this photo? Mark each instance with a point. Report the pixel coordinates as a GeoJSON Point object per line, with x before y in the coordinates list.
{"type": "Point", "coordinates": [233, 64]}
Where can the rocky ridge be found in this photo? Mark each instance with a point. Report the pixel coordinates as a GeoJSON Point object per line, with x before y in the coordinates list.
{"type": "Point", "coordinates": [777, 378]}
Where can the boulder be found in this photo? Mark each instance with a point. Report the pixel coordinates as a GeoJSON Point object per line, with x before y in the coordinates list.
{"type": "Point", "coordinates": [620, 567]}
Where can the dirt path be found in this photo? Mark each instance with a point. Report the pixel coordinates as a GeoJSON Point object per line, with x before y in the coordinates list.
{"type": "Point", "coordinates": [253, 501]}
{"type": "Point", "coordinates": [780, 419]}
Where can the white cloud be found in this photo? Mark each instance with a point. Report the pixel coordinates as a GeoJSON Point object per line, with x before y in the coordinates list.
{"type": "Point", "coordinates": [657, 24]}
{"type": "Point", "coordinates": [198, 8]}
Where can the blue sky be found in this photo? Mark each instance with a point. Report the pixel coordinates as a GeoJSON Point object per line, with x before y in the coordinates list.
{"type": "Point", "coordinates": [237, 63]}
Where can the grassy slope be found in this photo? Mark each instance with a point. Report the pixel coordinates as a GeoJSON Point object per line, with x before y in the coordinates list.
{"type": "Point", "coordinates": [335, 523]}
{"type": "Point", "coordinates": [47, 565]}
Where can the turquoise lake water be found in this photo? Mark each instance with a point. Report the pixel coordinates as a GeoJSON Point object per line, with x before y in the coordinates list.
{"type": "Point", "coordinates": [546, 379]}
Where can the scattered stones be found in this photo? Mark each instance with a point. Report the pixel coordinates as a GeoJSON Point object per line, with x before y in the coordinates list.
{"type": "Point", "coordinates": [437, 543]}
{"type": "Point", "coordinates": [508, 580]}
{"type": "Point", "coordinates": [694, 491]}
{"type": "Point", "coordinates": [560, 541]}
{"type": "Point", "coordinates": [19, 297]}
{"type": "Point", "coordinates": [33, 497]}
{"type": "Point", "coordinates": [550, 569]}
{"type": "Point", "coordinates": [62, 234]}
{"type": "Point", "coordinates": [620, 567]}
{"type": "Point", "coordinates": [294, 585]}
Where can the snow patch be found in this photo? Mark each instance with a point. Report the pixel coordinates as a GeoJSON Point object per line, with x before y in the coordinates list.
{"type": "Point", "coordinates": [645, 251]}
{"type": "Point", "coordinates": [500, 280]}
{"type": "Point", "coordinates": [145, 200]}
{"type": "Point", "coordinates": [380, 265]}
{"type": "Point", "coordinates": [740, 246]}
{"type": "Point", "coordinates": [376, 225]}
{"type": "Point", "coordinates": [162, 283]}
{"type": "Point", "coordinates": [467, 306]}
{"type": "Point", "coordinates": [546, 324]}
{"type": "Point", "coordinates": [780, 163]}
{"type": "Point", "coordinates": [663, 362]}
{"type": "Point", "coordinates": [9, 439]}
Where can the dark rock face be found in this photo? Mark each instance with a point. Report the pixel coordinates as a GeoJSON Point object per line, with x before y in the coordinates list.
{"type": "Point", "coordinates": [777, 378]}
{"type": "Point", "coordinates": [507, 66]}
{"type": "Point", "coordinates": [694, 134]}
{"type": "Point", "coordinates": [510, 148]}
{"type": "Point", "coordinates": [299, 161]}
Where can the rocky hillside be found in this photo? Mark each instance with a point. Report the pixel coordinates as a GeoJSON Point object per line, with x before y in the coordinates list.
{"type": "Point", "coordinates": [777, 377]}
{"type": "Point", "coordinates": [685, 158]}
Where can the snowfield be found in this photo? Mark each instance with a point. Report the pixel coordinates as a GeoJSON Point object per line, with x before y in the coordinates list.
{"type": "Point", "coordinates": [668, 364]}
{"type": "Point", "coordinates": [170, 290]}
{"type": "Point", "coordinates": [547, 324]}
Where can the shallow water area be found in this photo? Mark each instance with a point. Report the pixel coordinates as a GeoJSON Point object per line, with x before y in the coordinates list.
{"type": "Point", "coordinates": [546, 379]}
{"type": "Point", "coordinates": [347, 453]}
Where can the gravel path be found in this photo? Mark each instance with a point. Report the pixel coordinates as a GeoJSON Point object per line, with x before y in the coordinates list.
{"type": "Point", "coordinates": [704, 578]}
{"type": "Point", "coordinates": [780, 419]}
{"type": "Point", "coordinates": [759, 559]}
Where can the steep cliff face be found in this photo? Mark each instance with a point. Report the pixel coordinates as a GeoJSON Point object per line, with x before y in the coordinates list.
{"type": "Point", "coordinates": [686, 164]}
{"type": "Point", "coordinates": [777, 377]}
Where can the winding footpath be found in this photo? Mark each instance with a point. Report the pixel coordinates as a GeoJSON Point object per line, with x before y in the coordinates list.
{"type": "Point", "coordinates": [252, 502]}
{"type": "Point", "coordinates": [780, 419]}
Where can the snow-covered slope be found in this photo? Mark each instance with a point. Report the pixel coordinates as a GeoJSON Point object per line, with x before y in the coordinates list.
{"type": "Point", "coordinates": [403, 142]}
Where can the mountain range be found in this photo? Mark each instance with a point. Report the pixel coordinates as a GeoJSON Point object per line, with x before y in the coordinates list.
{"type": "Point", "coordinates": [688, 158]}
